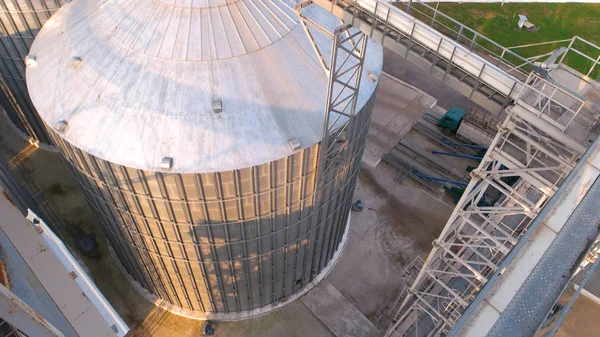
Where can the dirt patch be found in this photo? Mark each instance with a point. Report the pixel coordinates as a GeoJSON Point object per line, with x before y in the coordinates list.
{"type": "Point", "coordinates": [477, 13]}
{"type": "Point", "coordinates": [403, 219]}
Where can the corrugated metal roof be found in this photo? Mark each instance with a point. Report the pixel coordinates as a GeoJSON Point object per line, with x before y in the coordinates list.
{"type": "Point", "coordinates": [136, 79]}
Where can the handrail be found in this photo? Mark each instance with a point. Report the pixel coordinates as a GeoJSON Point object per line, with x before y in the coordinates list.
{"type": "Point", "coordinates": [484, 70]}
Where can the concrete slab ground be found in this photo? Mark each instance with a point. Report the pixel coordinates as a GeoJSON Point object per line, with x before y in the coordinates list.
{"type": "Point", "coordinates": [402, 69]}
{"type": "Point", "coordinates": [397, 106]}
{"type": "Point", "coordinates": [582, 319]}
{"type": "Point", "coordinates": [337, 313]}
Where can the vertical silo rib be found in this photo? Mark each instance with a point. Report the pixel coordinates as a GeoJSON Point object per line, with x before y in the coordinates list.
{"type": "Point", "coordinates": [173, 220]}
{"type": "Point", "coordinates": [11, 77]}
{"type": "Point", "coordinates": [336, 214]}
{"type": "Point", "coordinates": [174, 47]}
{"type": "Point", "coordinates": [327, 223]}
{"type": "Point", "coordinates": [190, 221]}
{"type": "Point", "coordinates": [119, 194]}
{"type": "Point", "coordinates": [310, 242]}
{"type": "Point", "coordinates": [163, 268]}
{"type": "Point", "coordinates": [112, 220]}
{"type": "Point", "coordinates": [322, 193]}
{"type": "Point", "coordinates": [237, 184]}
{"type": "Point", "coordinates": [145, 252]}
{"type": "Point", "coordinates": [79, 157]}
{"type": "Point", "coordinates": [81, 179]}
{"type": "Point", "coordinates": [284, 245]}
{"type": "Point", "coordinates": [211, 244]}
{"type": "Point", "coordinates": [21, 111]}
{"type": "Point", "coordinates": [46, 9]}
{"type": "Point", "coordinates": [24, 22]}
{"type": "Point", "coordinates": [33, 12]}
{"type": "Point", "coordinates": [301, 197]}
{"type": "Point", "coordinates": [257, 216]}
{"type": "Point", "coordinates": [13, 101]}
{"type": "Point", "coordinates": [223, 209]}
{"type": "Point", "coordinates": [200, 199]}
{"type": "Point", "coordinates": [272, 205]}
{"type": "Point", "coordinates": [163, 236]}
{"type": "Point", "coordinates": [15, 29]}
{"type": "Point", "coordinates": [138, 205]}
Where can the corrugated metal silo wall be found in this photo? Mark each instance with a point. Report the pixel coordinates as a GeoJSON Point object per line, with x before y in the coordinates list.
{"type": "Point", "coordinates": [20, 21]}
{"type": "Point", "coordinates": [227, 241]}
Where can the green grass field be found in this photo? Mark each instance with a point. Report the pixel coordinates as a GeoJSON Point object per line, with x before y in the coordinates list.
{"type": "Point", "coordinates": [555, 22]}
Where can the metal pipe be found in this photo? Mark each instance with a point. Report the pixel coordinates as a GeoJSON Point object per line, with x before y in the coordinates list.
{"type": "Point", "coordinates": [457, 155]}
{"type": "Point", "coordinates": [445, 141]}
{"type": "Point", "coordinates": [440, 179]}
{"type": "Point", "coordinates": [538, 44]}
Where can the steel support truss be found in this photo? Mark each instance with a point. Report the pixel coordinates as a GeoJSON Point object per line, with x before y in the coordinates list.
{"type": "Point", "coordinates": [527, 161]}
{"type": "Point", "coordinates": [344, 70]}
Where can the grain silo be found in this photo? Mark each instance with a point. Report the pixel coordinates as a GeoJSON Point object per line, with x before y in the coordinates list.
{"type": "Point", "coordinates": [20, 20]}
{"type": "Point", "coordinates": [194, 129]}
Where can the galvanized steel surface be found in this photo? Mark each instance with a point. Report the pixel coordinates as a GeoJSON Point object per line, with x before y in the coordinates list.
{"type": "Point", "coordinates": [176, 119]}
{"type": "Point", "coordinates": [20, 21]}
{"type": "Point", "coordinates": [133, 81]}
{"type": "Point", "coordinates": [223, 242]}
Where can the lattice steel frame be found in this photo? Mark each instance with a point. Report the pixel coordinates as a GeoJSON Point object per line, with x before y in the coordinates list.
{"type": "Point", "coordinates": [527, 161]}
{"type": "Point", "coordinates": [344, 71]}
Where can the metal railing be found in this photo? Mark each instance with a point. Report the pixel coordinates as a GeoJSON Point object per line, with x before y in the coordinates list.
{"type": "Point", "coordinates": [514, 63]}
{"type": "Point", "coordinates": [557, 104]}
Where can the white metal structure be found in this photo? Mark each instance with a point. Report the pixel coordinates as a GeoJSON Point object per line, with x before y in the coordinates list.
{"type": "Point", "coordinates": [22, 320]}
{"type": "Point", "coordinates": [545, 133]}
{"type": "Point", "coordinates": [523, 168]}
{"type": "Point", "coordinates": [81, 278]}
{"type": "Point", "coordinates": [46, 276]}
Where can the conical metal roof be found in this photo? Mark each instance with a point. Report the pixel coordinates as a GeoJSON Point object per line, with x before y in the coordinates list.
{"type": "Point", "coordinates": [139, 80]}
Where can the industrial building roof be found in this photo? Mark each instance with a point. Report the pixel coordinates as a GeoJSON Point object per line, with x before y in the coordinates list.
{"type": "Point", "coordinates": [139, 80]}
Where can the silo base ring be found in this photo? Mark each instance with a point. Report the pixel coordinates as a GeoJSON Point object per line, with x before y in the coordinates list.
{"type": "Point", "coordinates": [233, 316]}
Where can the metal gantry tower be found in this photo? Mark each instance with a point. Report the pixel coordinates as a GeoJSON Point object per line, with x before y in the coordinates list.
{"type": "Point", "coordinates": [528, 160]}
{"type": "Point", "coordinates": [344, 70]}
{"type": "Point", "coordinates": [547, 129]}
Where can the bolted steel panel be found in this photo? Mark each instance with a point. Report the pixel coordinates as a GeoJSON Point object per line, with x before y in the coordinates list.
{"type": "Point", "coordinates": [223, 242]}
{"type": "Point", "coordinates": [20, 21]}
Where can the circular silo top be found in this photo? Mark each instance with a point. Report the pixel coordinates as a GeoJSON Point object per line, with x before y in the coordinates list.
{"type": "Point", "coordinates": [215, 85]}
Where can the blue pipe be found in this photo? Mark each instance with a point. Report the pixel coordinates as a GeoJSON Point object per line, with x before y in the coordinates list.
{"type": "Point", "coordinates": [440, 179]}
{"type": "Point", "coordinates": [445, 141]}
{"type": "Point", "coordinates": [457, 155]}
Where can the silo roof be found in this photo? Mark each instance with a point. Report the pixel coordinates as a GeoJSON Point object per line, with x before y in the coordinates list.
{"type": "Point", "coordinates": [138, 80]}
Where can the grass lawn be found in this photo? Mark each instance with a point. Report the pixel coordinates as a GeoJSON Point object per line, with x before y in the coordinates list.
{"type": "Point", "coordinates": [555, 22]}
